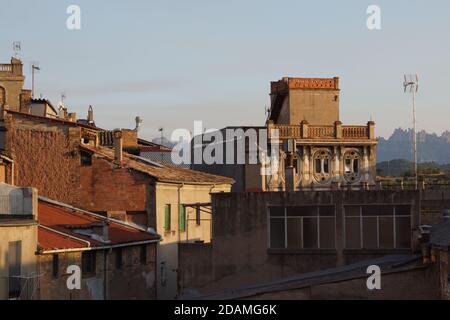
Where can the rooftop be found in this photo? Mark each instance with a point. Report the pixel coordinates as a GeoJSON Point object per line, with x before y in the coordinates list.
{"type": "Point", "coordinates": [158, 171]}
{"type": "Point", "coordinates": [63, 227]}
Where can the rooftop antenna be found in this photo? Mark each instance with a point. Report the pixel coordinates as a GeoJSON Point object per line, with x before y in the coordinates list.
{"type": "Point", "coordinates": [411, 85]}
{"type": "Point", "coordinates": [63, 97]}
{"type": "Point", "coordinates": [34, 68]}
{"type": "Point", "coordinates": [161, 129]}
{"type": "Point", "coordinates": [17, 47]}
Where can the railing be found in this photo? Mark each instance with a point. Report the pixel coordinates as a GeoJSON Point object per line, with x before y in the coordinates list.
{"type": "Point", "coordinates": [321, 132]}
{"type": "Point", "coordinates": [287, 131]}
{"type": "Point", "coordinates": [409, 185]}
{"type": "Point", "coordinates": [11, 69]}
{"type": "Point", "coordinates": [354, 132]}
{"type": "Point", "coordinates": [305, 131]}
{"type": "Point", "coordinates": [6, 68]}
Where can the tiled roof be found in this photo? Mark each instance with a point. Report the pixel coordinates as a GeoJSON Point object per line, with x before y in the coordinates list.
{"type": "Point", "coordinates": [162, 157]}
{"type": "Point", "coordinates": [160, 172]}
{"type": "Point", "coordinates": [58, 221]}
{"type": "Point", "coordinates": [66, 122]}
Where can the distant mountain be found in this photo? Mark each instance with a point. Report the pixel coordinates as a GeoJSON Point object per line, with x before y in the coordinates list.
{"type": "Point", "coordinates": [430, 147]}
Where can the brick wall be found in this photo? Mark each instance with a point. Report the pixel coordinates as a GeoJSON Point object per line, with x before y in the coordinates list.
{"type": "Point", "coordinates": [104, 187]}
{"type": "Point", "coordinates": [45, 156]}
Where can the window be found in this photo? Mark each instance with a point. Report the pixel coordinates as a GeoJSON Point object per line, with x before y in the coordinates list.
{"type": "Point", "coordinates": [143, 254]}
{"type": "Point", "coordinates": [119, 258]}
{"type": "Point", "coordinates": [86, 158]}
{"type": "Point", "coordinates": [302, 227]}
{"type": "Point", "coordinates": [322, 165]}
{"type": "Point", "coordinates": [351, 165]}
{"type": "Point", "coordinates": [55, 265]}
{"type": "Point", "coordinates": [15, 268]}
{"type": "Point", "coordinates": [377, 226]}
{"type": "Point", "coordinates": [167, 218]}
{"type": "Point", "coordinates": [88, 262]}
{"type": "Point", "coordinates": [182, 218]}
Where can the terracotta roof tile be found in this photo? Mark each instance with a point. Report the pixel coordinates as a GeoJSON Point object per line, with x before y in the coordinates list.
{"type": "Point", "coordinates": [56, 219]}
{"type": "Point", "coordinates": [160, 172]}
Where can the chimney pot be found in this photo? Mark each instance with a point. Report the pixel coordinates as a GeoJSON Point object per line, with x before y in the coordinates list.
{"type": "Point", "coordinates": [118, 154]}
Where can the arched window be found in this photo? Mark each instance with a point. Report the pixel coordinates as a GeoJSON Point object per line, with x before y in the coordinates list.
{"type": "Point", "coordinates": [322, 165]}
{"type": "Point", "coordinates": [352, 163]}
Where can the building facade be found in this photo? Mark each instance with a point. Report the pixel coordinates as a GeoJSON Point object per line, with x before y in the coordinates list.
{"type": "Point", "coordinates": [305, 147]}
{"type": "Point", "coordinates": [18, 239]}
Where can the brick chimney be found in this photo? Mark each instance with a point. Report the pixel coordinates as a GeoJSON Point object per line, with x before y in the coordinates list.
{"type": "Point", "coordinates": [118, 155]}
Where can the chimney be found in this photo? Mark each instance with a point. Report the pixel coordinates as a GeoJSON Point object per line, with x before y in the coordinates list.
{"type": "Point", "coordinates": [118, 156]}
{"type": "Point", "coordinates": [90, 117]}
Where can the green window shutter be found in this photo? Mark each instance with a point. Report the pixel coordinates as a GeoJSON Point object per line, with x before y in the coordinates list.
{"type": "Point", "coordinates": [167, 217]}
{"type": "Point", "coordinates": [182, 218]}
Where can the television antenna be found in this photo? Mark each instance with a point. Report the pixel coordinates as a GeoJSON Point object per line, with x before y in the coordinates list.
{"type": "Point", "coordinates": [411, 85]}
{"type": "Point", "coordinates": [17, 47]}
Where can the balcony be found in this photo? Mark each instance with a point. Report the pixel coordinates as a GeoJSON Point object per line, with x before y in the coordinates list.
{"type": "Point", "coordinates": [11, 69]}
{"type": "Point", "coordinates": [326, 132]}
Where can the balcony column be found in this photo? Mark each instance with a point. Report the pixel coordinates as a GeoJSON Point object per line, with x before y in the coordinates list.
{"type": "Point", "coordinates": [338, 130]}
{"type": "Point", "coordinates": [304, 129]}
{"type": "Point", "coordinates": [371, 130]}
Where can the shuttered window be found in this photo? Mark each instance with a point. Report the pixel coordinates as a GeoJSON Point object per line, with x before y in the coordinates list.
{"type": "Point", "coordinates": [167, 218]}
{"type": "Point", "coordinates": [182, 218]}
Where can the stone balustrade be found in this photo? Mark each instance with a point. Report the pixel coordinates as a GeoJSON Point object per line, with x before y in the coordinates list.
{"type": "Point", "coordinates": [338, 131]}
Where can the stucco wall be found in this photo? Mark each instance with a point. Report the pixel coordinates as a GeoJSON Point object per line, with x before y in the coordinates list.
{"type": "Point", "coordinates": [168, 249]}
{"type": "Point", "coordinates": [27, 234]}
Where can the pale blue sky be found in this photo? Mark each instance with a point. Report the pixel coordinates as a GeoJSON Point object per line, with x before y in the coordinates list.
{"type": "Point", "coordinates": [173, 62]}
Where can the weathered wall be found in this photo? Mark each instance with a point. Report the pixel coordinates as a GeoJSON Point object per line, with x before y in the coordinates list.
{"type": "Point", "coordinates": [105, 187]}
{"type": "Point", "coordinates": [133, 280]}
{"type": "Point", "coordinates": [46, 156]}
{"type": "Point", "coordinates": [21, 231]}
{"type": "Point", "coordinates": [318, 107]}
{"type": "Point", "coordinates": [240, 221]}
{"type": "Point", "coordinates": [433, 204]}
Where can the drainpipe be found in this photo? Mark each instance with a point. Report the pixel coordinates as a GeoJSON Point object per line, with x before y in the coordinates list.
{"type": "Point", "coordinates": [179, 205]}
{"type": "Point", "coordinates": [105, 276]}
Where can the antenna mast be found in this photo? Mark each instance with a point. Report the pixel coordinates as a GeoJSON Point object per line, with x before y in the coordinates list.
{"type": "Point", "coordinates": [411, 84]}
{"type": "Point", "coordinates": [17, 47]}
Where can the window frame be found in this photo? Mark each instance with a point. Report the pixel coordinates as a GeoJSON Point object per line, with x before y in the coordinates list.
{"type": "Point", "coordinates": [394, 216]}
{"type": "Point", "coordinates": [317, 217]}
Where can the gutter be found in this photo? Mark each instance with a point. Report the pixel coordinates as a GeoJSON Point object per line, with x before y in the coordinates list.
{"type": "Point", "coordinates": [100, 248]}
{"type": "Point", "coordinates": [67, 206]}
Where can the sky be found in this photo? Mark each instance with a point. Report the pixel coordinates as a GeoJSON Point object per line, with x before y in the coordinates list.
{"type": "Point", "coordinates": [174, 62]}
